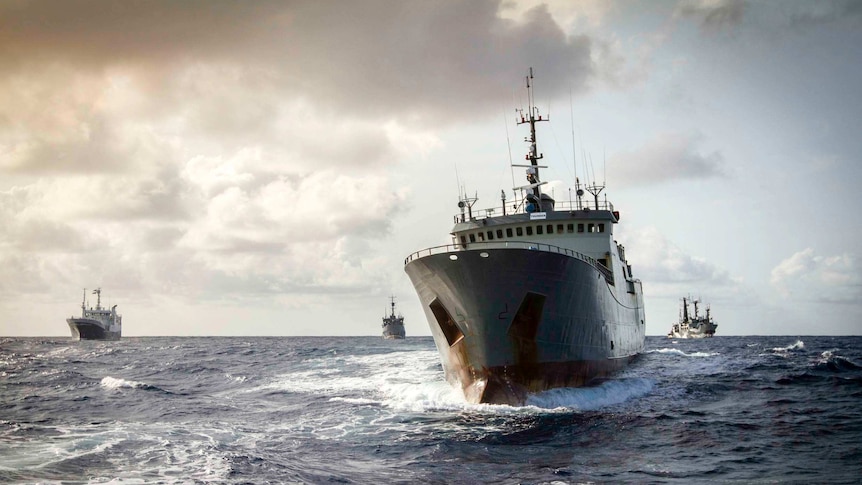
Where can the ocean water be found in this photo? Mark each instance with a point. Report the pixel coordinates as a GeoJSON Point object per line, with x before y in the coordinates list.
{"type": "Point", "coordinates": [364, 410]}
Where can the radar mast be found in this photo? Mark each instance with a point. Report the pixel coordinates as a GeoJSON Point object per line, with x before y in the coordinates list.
{"type": "Point", "coordinates": [533, 155]}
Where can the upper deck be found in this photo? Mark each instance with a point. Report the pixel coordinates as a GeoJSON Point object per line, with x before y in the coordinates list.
{"type": "Point", "coordinates": [582, 208]}
{"type": "Point", "coordinates": [577, 226]}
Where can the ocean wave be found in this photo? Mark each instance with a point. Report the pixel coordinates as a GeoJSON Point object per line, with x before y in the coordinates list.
{"type": "Point", "coordinates": [431, 395]}
{"type": "Point", "coordinates": [441, 396]}
{"type": "Point", "coordinates": [159, 454]}
{"type": "Point", "coordinates": [834, 363]}
{"type": "Point", "coordinates": [798, 345]}
{"type": "Point", "coordinates": [680, 352]}
{"type": "Point", "coordinates": [114, 383]}
{"type": "Point", "coordinates": [803, 378]}
{"type": "Point", "coordinates": [608, 393]}
{"type": "Point", "coordinates": [367, 374]}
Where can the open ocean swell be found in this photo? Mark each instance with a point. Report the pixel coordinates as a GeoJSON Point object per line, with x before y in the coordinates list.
{"type": "Point", "coordinates": [364, 410]}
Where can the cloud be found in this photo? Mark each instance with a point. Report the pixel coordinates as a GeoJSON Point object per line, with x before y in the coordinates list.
{"type": "Point", "coordinates": [812, 14]}
{"type": "Point", "coordinates": [419, 61]}
{"type": "Point", "coordinates": [169, 230]}
{"type": "Point", "coordinates": [322, 206]}
{"type": "Point", "coordinates": [670, 156]}
{"type": "Point", "coordinates": [824, 279]}
{"type": "Point", "coordinates": [661, 261]}
{"type": "Point", "coordinates": [714, 15]}
{"type": "Point", "coordinates": [207, 146]}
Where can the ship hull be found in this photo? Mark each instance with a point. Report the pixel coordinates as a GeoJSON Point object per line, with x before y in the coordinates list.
{"type": "Point", "coordinates": [510, 322]}
{"type": "Point", "coordinates": [394, 332]}
{"type": "Point", "coordinates": [89, 329]}
{"type": "Point", "coordinates": [693, 333]}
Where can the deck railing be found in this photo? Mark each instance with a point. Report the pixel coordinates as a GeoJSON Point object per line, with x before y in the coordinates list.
{"type": "Point", "coordinates": [560, 205]}
{"type": "Point", "coordinates": [455, 248]}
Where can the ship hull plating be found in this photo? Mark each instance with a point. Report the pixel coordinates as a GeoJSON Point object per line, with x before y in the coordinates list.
{"type": "Point", "coordinates": [393, 332]}
{"type": "Point", "coordinates": [89, 329]}
{"type": "Point", "coordinates": [509, 322]}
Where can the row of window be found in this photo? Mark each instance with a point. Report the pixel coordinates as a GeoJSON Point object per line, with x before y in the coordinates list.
{"type": "Point", "coordinates": [538, 229]}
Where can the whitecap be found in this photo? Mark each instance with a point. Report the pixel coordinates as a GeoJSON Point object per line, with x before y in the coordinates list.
{"type": "Point", "coordinates": [798, 345]}
{"type": "Point", "coordinates": [236, 378]}
{"type": "Point", "coordinates": [680, 352]}
{"type": "Point", "coordinates": [109, 382]}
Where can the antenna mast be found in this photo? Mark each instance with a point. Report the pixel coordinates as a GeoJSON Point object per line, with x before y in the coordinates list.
{"type": "Point", "coordinates": [533, 155]}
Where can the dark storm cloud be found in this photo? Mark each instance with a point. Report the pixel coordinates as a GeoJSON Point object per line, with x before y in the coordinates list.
{"type": "Point", "coordinates": [416, 60]}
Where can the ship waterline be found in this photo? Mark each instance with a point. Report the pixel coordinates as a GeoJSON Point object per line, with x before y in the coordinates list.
{"type": "Point", "coordinates": [88, 329]}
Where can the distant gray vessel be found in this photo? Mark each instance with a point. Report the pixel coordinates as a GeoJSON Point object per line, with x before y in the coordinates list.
{"type": "Point", "coordinates": [96, 323]}
{"type": "Point", "coordinates": [393, 326]}
{"type": "Point", "coordinates": [535, 298]}
{"type": "Point", "coordinates": [696, 326]}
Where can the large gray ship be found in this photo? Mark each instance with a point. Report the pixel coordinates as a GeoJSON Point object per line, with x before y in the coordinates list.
{"type": "Point", "coordinates": [96, 323]}
{"type": "Point", "coordinates": [393, 325]}
{"type": "Point", "coordinates": [531, 298]}
{"type": "Point", "coordinates": [693, 326]}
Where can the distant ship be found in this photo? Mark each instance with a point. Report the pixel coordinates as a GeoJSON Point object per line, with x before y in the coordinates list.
{"type": "Point", "coordinates": [393, 326]}
{"type": "Point", "coordinates": [538, 297]}
{"type": "Point", "coordinates": [96, 323]}
{"type": "Point", "coordinates": [692, 326]}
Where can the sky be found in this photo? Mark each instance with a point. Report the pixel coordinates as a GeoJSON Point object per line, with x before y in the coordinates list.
{"type": "Point", "coordinates": [263, 168]}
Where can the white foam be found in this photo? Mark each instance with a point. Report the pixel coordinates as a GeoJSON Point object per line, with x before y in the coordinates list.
{"type": "Point", "coordinates": [363, 374]}
{"type": "Point", "coordinates": [434, 394]}
{"type": "Point", "coordinates": [413, 382]}
{"type": "Point", "coordinates": [680, 352]}
{"type": "Point", "coordinates": [236, 378]}
{"type": "Point", "coordinates": [114, 383]}
{"type": "Point", "coordinates": [608, 393]}
{"type": "Point", "coordinates": [798, 345]}
{"type": "Point", "coordinates": [68, 445]}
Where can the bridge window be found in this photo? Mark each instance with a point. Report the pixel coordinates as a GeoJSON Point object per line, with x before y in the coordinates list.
{"type": "Point", "coordinates": [482, 236]}
{"type": "Point", "coordinates": [601, 227]}
{"type": "Point", "coordinates": [580, 227]}
{"type": "Point", "coordinates": [570, 228]}
{"type": "Point", "coordinates": [550, 228]}
{"type": "Point", "coordinates": [559, 228]}
{"type": "Point", "coordinates": [529, 230]}
{"type": "Point", "coordinates": [508, 232]}
{"type": "Point", "coordinates": [490, 235]}
{"type": "Point", "coordinates": [463, 240]}
{"type": "Point", "coordinates": [591, 227]}
{"type": "Point", "coordinates": [519, 231]}
{"type": "Point", "coordinates": [472, 238]}
{"type": "Point", "coordinates": [499, 234]}
{"type": "Point", "coordinates": [539, 229]}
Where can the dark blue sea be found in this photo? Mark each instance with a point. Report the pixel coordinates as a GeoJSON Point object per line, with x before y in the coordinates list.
{"type": "Point", "coordinates": [364, 410]}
